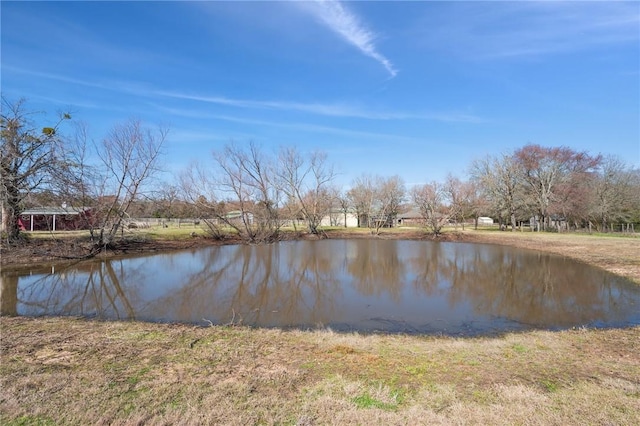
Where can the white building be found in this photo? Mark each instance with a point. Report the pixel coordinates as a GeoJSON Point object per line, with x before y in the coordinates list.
{"type": "Point", "coordinates": [483, 220]}
{"type": "Point", "coordinates": [337, 217]}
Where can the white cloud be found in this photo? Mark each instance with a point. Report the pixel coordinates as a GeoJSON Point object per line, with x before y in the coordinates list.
{"type": "Point", "coordinates": [529, 29]}
{"type": "Point", "coordinates": [339, 19]}
{"type": "Point", "coordinates": [56, 77]}
{"type": "Point", "coordinates": [333, 110]}
{"type": "Point", "coordinates": [327, 109]}
{"type": "Point", "coordinates": [297, 126]}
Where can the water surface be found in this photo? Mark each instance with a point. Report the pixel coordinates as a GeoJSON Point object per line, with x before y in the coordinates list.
{"type": "Point", "coordinates": [358, 285]}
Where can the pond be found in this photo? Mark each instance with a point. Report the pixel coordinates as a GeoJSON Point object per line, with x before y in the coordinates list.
{"type": "Point", "coordinates": [416, 287]}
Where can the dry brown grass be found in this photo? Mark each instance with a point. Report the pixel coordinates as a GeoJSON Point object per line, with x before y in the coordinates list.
{"type": "Point", "coordinates": [70, 371]}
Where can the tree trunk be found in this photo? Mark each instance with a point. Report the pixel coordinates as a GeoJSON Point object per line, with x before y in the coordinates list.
{"type": "Point", "coordinates": [9, 292]}
{"type": "Point", "coordinates": [10, 219]}
{"type": "Point", "coordinates": [313, 229]}
{"type": "Point", "coordinates": [3, 225]}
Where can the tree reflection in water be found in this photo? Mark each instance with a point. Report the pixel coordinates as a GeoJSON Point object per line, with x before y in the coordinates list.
{"type": "Point", "coordinates": [88, 289]}
{"type": "Point", "coordinates": [388, 285]}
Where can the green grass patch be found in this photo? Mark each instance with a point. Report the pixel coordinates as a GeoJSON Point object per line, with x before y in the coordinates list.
{"type": "Point", "coordinates": [367, 401]}
{"type": "Point", "coordinates": [549, 385]}
{"type": "Point", "coordinates": [28, 421]}
{"type": "Point", "coordinates": [135, 379]}
{"type": "Point", "coordinates": [421, 370]}
{"type": "Point", "coordinates": [519, 348]}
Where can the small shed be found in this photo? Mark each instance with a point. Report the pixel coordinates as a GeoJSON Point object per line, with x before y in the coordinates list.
{"type": "Point", "coordinates": [63, 218]}
{"type": "Point", "coordinates": [483, 220]}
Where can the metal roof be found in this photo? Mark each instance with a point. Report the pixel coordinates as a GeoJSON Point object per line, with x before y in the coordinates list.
{"type": "Point", "coordinates": [411, 214]}
{"type": "Point", "coordinates": [50, 211]}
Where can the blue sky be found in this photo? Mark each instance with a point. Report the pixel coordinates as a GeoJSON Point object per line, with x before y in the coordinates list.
{"type": "Point", "coordinates": [417, 89]}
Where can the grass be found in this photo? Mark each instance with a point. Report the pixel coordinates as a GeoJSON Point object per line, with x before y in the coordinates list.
{"type": "Point", "coordinates": [365, 400]}
{"type": "Point", "coordinates": [155, 231]}
{"type": "Point", "coordinates": [71, 371]}
{"type": "Point", "coordinates": [172, 231]}
{"type": "Point", "coordinates": [30, 421]}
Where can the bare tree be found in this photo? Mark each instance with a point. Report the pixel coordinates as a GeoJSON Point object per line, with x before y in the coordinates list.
{"type": "Point", "coordinates": [239, 192]}
{"type": "Point", "coordinates": [335, 213]}
{"type": "Point", "coordinates": [389, 195]}
{"type": "Point", "coordinates": [29, 159]}
{"type": "Point", "coordinates": [80, 184]}
{"type": "Point", "coordinates": [199, 189]}
{"type": "Point", "coordinates": [460, 196]}
{"type": "Point", "coordinates": [430, 201]}
{"type": "Point", "coordinates": [291, 213]}
{"type": "Point", "coordinates": [500, 179]}
{"type": "Point", "coordinates": [377, 200]}
{"type": "Point", "coordinates": [478, 203]}
{"type": "Point", "coordinates": [165, 199]}
{"type": "Point", "coordinates": [247, 179]}
{"type": "Point", "coordinates": [545, 170]}
{"type": "Point", "coordinates": [362, 197]}
{"type": "Point", "coordinates": [344, 204]}
{"type": "Point", "coordinates": [615, 193]}
{"type": "Point", "coordinates": [130, 158]}
{"type": "Point", "coordinates": [306, 184]}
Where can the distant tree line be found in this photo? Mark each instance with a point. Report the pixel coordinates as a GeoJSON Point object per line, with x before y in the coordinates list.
{"type": "Point", "coordinates": [558, 187]}
{"type": "Point", "coordinates": [255, 193]}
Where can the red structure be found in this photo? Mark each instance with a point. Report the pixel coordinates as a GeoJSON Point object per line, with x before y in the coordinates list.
{"type": "Point", "coordinates": [55, 219]}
